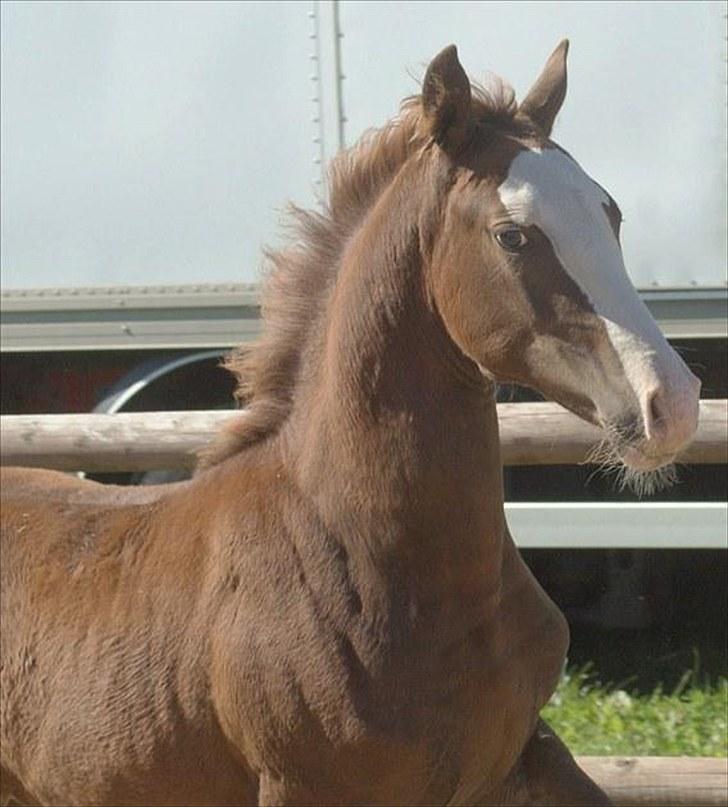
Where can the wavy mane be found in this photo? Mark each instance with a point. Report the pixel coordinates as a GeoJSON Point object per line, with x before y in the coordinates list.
{"type": "Point", "coordinates": [300, 276]}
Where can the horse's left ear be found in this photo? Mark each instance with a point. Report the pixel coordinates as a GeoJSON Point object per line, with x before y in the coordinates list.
{"type": "Point", "coordinates": [544, 99]}
{"type": "Point", "coordinates": [446, 100]}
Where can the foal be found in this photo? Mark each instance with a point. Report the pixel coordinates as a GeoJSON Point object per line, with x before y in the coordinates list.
{"type": "Point", "coordinates": [333, 610]}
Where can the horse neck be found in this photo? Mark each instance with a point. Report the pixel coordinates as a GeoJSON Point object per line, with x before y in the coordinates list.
{"type": "Point", "coordinates": [394, 437]}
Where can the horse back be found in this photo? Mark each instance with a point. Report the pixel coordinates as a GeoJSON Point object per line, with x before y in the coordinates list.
{"type": "Point", "coordinates": [57, 527]}
{"type": "Point", "coordinates": [106, 611]}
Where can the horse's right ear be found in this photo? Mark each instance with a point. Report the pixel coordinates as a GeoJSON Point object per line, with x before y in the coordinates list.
{"type": "Point", "coordinates": [446, 100]}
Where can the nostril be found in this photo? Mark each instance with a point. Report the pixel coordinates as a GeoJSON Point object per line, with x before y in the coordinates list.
{"type": "Point", "coordinates": [656, 425]}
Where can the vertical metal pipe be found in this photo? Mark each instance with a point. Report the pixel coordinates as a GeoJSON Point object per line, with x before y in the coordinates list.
{"type": "Point", "coordinates": [339, 78]}
{"type": "Point", "coordinates": [316, 98]}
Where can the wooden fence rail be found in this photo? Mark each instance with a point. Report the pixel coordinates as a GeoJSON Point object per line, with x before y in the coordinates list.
{"type": "Point", "coordinates": [531, 434]}
{"type": "Point", "coordinates": [664, 781]}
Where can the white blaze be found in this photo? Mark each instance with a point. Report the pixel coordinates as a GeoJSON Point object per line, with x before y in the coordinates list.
{"type": "Point", "coordinates": [548, 189]}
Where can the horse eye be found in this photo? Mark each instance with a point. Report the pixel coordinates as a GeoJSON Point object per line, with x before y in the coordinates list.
{"type": "Point", "coordinates": [511, 239]}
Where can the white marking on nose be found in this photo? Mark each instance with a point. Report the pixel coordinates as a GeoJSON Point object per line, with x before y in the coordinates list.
{"type": "Point", "coordinates": [548, 189]}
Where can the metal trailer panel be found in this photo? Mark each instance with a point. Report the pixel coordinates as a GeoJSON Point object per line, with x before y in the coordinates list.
{"type": "Point", "coordinates": [206, 315]}
{"type": "Point", "coordinates": [158, 142]}
{"type": "Point", "coordinates": [151, 143]}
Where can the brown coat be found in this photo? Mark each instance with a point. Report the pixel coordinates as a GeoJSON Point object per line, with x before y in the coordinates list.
{"type": "Point", "coordinates": [333, 610]}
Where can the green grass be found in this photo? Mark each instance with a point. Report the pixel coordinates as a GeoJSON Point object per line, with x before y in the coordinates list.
{"type": "Point", "coordinates": [593, 719]}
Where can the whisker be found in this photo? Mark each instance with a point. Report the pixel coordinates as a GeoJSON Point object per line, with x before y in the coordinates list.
{"type": "Point", "coordinates": [606, 456]}
{"type": "Point", "coordinates": [647, 483]}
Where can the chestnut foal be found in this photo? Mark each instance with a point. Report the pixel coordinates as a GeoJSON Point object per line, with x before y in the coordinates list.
{"type": "Point", "coordinates": [333, 610]}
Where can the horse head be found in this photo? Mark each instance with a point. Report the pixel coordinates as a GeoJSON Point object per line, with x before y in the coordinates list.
{"type": "Point", "coordinates": [527, 271]}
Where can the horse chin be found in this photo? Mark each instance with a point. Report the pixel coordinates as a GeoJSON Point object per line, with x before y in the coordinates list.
{"type": "Point", "coordinates": [642, 473]}
{"type": "Point", "coordinates": [642, 462]}
{"type": "Point", "coordinates": [633, 468]}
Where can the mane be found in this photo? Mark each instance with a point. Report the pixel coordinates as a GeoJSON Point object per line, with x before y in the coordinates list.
{"type": "Point", "coordinates": [299, 277]}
